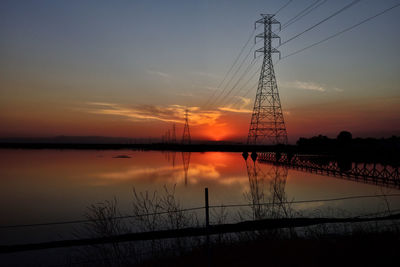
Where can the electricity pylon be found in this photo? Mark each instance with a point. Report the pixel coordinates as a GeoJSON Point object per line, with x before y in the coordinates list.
{"type": "Point", "coordinates": [267, 126]}
{"type": "Point", "coordinates": [186, 132]}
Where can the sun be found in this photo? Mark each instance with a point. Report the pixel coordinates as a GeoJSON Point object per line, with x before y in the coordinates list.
{"type": "Point", "coordinates": [217, 133]}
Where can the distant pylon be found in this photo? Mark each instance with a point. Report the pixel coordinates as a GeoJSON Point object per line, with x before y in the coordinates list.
{"type": "Point", "coordinates": [186, 132]}
{"type": "Point", "coordinates": [267, 126]}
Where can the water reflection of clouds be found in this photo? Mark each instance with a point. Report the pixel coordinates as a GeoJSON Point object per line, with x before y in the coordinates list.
{"type": "Point", "coordinates": [167, 174]}
{"type": "Point", "coordinates": [197, 173]}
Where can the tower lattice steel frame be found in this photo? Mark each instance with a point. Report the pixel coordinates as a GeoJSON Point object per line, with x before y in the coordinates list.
{"type": "Point", "coordinates": [267, 126]}
{"type": "Point", "coordinates": [186, 133]}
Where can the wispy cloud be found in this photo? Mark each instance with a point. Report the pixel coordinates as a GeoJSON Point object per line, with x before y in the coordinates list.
{"type": "Point", "coordinates": [205, 74]}
{"type": "Point", "coordinates": [236, 110]}
{"type": "Point", "coordinates": [312, 86]}
{"type": "Point", "coordinates": [186, 94]}
{"type": "Point", "coordinates": [309, 86]}
{"type": "Point", "coordinates": [243, 107]}
{"type": "Point", "coordinates": [339, 90]}
{"type": "Point", "coordinates": [171, 113]}
{"type": "Point", "coordinates": [159, 73]}
{"type": "Point", "coordinates": [210, 88]}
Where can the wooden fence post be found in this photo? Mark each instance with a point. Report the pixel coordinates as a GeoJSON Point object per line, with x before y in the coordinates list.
{"type": "Point", "coordinates": [207, 227]}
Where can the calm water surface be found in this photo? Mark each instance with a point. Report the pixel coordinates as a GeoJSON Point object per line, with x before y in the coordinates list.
{"type": "Point", "coordinates": [56, 185]}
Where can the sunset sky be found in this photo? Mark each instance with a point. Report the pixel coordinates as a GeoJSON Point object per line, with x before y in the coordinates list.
{"type": "Point", "coordinates": [130, 68]}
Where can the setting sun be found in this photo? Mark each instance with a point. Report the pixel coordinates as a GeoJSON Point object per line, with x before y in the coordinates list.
{"type": "Point", "coordinates": [217, 133]}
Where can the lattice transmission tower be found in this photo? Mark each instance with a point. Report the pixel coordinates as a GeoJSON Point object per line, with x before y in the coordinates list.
{"type": "Point", "coordinates": [186, 132]}
{"type": "Point", "coordinates": [267, 126]}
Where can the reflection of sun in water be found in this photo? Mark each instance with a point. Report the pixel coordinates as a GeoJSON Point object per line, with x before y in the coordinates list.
{"type": "Point", "coordinates": [220, 159]}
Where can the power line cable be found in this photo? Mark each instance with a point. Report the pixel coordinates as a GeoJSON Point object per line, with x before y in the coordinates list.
{"type": "Point", "coordinates": [307, 201]}
{"type": "Point", "coordinates": [301, 12]}
{"type": "Point", "coordinates": [231, 67]}
{"type": "Point", "coordinates": [215, 100]}
{"type": "Point", "coordinates": [305, 13]}
{"type": "Point", "coordinates": [342, 31]}
{"type": "Point", "coordinates": [251, 87]}
{"type": "Point", "coordinates": [199, 208]}
{"type": "Point", "coordinates": [286, 24]}
{"type": "Point", "coordinates": [244, 85]}
{"type": "Point", "coordinates": [322, 21]}
{"type": "Point", "coordinates": [86, 221]}
{"type": "Point", "coordinates": [285, 5]}
{"type": "Point", "coordinates": [248, 91]}
{"type": "Point", "coordinates": [296, 16]}
{"type": "Point", "coordinates": [239, 80]}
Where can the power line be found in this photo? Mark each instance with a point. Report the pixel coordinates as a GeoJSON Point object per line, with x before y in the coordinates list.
{"type": "Point", "coordinates": [237, 58]}
{"type": "Point", "coordinates": [231, 67]}
{"type": "Point", "coordinates": [289, 22]}
{"type": "Point", "coordinates": [322, 21]}
{"type": "Point", "coordinates": [240, 79]}
{"type": "Point", "coordinates": [244, 226]}
{"type": "Point", "coordinates": [251, 77]}
{"type": "Point", "coordinates": [303, 13]}
{"type": "Point", "coordinates": [239, 98]}
{"type": "Point", "coordinates": [248, 91]}
{"type": "Point", "coordinates": [308, 201]}
{"type": "Point", "coordinates": [215, 100]}
{"type": "Point", "coordinates": [234, 75]}
{"type": "Point", "coordinates": [285, 5]}
{"type": "Point", "coordinates": [342, 31]}
{"type": "Point", "coordinates": [96, 220]}
{"type": "Point", "coordinates": [198, 208]}
{"type": "Point", "coordinates": [251, 87]}
{"type": "Point", "coordinates": [298, 16]}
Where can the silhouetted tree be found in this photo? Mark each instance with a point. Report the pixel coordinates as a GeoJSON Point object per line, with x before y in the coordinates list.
{"type": "Point", "coordinates": [344, 139]}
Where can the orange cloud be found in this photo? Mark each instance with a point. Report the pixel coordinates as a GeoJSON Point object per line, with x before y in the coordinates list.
{"type": "Point", "coordinates": [172, 113]}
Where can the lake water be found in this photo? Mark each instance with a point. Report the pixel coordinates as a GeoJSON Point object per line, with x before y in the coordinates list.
{"type": "Point", "coordinates": [39, 186]}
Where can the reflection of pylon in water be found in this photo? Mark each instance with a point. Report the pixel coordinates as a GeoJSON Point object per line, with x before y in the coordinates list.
{"type": "Point", "coordinates": [186, 161]}
{"type": "Point", "coordinates": [258, 180]}
{"type": "Point", "coordinates": [278, 176]}
{"type": "Point", "coordinates": [170, 157]}
{"type": "Point", "coordinates": [256, 188]}
{"type": "Point", "coordinates": [173, 158]}
{"type": "Point", "coordinates": [186, 132]}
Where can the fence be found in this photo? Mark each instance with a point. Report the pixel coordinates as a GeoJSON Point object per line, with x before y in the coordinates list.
{"type": "Point", "coordinates": [203, 231]}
